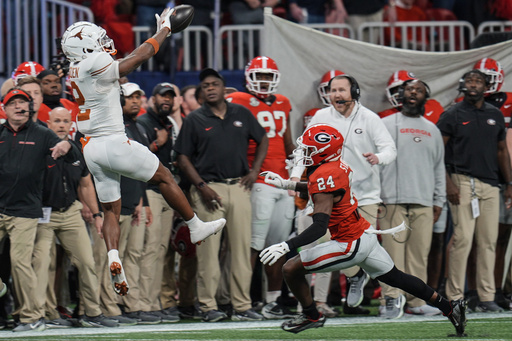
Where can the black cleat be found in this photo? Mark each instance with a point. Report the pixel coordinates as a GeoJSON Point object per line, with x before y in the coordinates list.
{"type": "Point", "coordinates": [458, 316]}
{"type": "Point", "coordinates": [302, 322]}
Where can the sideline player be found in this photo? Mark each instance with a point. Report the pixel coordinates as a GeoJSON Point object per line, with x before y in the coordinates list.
{"type": "Point", "coordinates": [94, 77]}
{"type": "Point", "coordinates": [353, 238]}
{"type": "Point", "coordinates": [272, 208]}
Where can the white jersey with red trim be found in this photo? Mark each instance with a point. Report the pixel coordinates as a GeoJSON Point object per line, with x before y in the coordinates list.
{"type": "Point", "coordinates": [96, 90]}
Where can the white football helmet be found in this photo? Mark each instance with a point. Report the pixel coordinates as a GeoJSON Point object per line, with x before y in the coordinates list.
{"type": "Point", "coordinates": [83, 38]}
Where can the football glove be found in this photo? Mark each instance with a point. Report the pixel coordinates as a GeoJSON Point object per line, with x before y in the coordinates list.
{"type": "Point", "coordinates": [274, 179]}
{"type": "Point", "coordinates": [272, 253]}
{"type": "Point", "coordinates": [164, 20]}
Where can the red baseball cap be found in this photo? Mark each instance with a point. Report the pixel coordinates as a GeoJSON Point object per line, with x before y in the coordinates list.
{"type": "Point", "coordinates": [15, 93]}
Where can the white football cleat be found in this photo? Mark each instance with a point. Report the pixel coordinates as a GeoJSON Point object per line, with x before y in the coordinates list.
{"type": "Point", "coordinates": [117, 277]}
{"type": "Point", "coordinates": [200, 230]}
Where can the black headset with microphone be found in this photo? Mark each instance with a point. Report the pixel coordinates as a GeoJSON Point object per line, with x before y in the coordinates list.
{"type": "Point", "coordinates": [31, 110]}
{"type": "Point", "coordinates": [355, 91]}
{"type": "Point", "coordinates": [462, 80]}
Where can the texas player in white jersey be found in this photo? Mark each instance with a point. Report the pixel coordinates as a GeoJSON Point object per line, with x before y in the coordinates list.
{"type": "Point", "coordinates": [353, 239]}
{"type": "Point", "coordinates": [272, 208]}
{"type": "Point", "coordinates": [94, 77]}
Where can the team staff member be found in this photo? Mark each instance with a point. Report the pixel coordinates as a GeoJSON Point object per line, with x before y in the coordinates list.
{"type": "Point", "coordinates": [23, 150]}
{"type": "Point", "coordinates": [136, 214]}
{"type": "Point", "coordinates": [159, 129]}
{"type": "Point", "coordinates": [476, 154]}
{"type": "Point", "coordinates": [212, 148]}
{"type": "Point", "coordinates": [414, 191]}
{"type": "Point", "coordinates": [64, 184]}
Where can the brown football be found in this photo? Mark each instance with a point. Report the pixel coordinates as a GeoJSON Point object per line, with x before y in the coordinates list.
{"type": "Point", "coordinates": [181, 18]}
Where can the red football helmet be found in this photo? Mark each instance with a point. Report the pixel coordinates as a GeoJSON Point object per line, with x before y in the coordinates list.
{"type": "Point", "coordinates": [26, 69]}
{"type": "Point", "coordinates": [266, 65]}
{"type": "Point", "coordinates": [318, 144]}
{"type": "Point", "coordinates": [323, 90]}
{"type": "Point", "coordinates": [394, 83]}
{"type": "Point", "coordinates": [492, 68]}
{"type": "Point", "coordinates": [180, 240]}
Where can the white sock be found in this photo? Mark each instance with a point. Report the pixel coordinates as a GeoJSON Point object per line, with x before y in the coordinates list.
{"type": "Point", "coordinates": [272, 296]}
{"type": "Point", "coordinates": [192, 221]}
{"type": "Point", "coordinates": [113, 256]}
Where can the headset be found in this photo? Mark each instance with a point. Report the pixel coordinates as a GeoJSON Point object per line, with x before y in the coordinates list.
{"type": "Point", "coordinates": [462, 80]}
{"type": "Point", "coordinates": [401, 89]}
{"type": "Point", "coordinates": [31, 110]}
{"type": "Point", "coordinates": [355, 91]}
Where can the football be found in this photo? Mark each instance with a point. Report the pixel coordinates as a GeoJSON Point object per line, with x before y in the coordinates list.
{"type": "Point", "coordinates": [181, 17]}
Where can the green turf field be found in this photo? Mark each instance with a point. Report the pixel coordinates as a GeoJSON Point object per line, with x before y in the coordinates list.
{"type": "Point", "coordinates": [481, 326]}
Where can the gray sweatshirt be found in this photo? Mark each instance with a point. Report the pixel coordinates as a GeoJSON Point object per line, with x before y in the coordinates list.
{"type": "Point", "coordinates": [417, 175]}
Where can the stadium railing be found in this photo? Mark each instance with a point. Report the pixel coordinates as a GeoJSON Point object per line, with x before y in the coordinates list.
{"type": "Point", "coordinates": [440, 36]}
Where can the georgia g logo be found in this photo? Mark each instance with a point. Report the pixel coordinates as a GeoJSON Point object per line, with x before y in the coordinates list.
{"type": "Point", "coordinates": [322, 138]}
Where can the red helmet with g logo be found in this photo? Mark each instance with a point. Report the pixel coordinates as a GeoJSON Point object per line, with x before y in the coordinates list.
{"type": "Point", "coordinates": [496, 74]}
{"type": "Point", "coordinates": [26, 69]}
{"type": "Point", "coordinates": [323, 89]}
{"type": "Point", "coordinates": [394, 83]}
{"type": "Point", "coordinates": [262, 87]}
{"type": "Point", "coordinates": [318, 144]}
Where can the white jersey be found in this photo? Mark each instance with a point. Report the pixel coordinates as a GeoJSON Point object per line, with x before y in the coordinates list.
{"type": "Point", "coordinates": [95, 84]}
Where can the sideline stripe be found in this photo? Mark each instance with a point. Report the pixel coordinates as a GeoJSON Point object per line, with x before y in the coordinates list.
{"type": "Point", "coordinates": [75, 333]}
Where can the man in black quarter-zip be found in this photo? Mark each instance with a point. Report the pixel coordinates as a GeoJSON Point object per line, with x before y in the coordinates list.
{"type": "Point", "coordinates": [24, 146]}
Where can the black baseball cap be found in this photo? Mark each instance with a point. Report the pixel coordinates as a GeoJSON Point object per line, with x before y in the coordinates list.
{"type": "Point", "coordinates": [162, 88]}
{"type": "Point", "coordinates": [210, 72]}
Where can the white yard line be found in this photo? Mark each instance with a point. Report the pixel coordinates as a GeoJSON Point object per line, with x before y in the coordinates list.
{"type": "Point", "coordinates": [204, 326]}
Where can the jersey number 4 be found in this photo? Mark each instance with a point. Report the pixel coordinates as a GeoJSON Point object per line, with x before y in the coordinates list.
{"type": "Point", "coordinates": [268, 120]}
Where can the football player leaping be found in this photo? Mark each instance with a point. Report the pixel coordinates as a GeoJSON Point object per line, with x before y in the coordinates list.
{"type": "Point", "coordinates": [353, 239]}
{"type": "Point", "coordinates": [94, 76]}
{"type": "Point", "coordinates": [272, 208]}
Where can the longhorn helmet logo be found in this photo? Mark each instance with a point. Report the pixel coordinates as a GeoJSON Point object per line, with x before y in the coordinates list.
{"type": "Point", "coordinates": [79, 34]}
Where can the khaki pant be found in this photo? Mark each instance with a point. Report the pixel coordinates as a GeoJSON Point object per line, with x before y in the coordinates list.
{"type": "Point", "coordinates": [409, 249]}
{"type": "Point", "coordinates": [187, 275]}
{"type": "Point", "coordinates": [131, 245]}
{"type": "Point", "coordinates": [156, 243]}
{"type": "Point", "coordinates": [70, 228]}
{"type": "Point", "coordinates": [237, 211]}
{"type": "Point", "coordinates": [22, 234]}
{"type": "Point", "coordinates": [108, 298]}
{"type": "Point", "coordinates": [485, 231]}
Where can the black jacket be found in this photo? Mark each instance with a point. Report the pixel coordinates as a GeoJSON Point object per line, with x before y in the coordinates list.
{"type": "Point", "coordinates": [149, 121]}
{"type": "Point", "coordinates": [23, 161]}
{"type": "Point", "coordinates": [132, 190]}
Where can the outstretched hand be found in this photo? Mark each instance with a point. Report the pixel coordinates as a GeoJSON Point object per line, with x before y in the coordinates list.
{"type": "Point", "coordinates": [272, 253]}
{"type": "Point", "coordinates": [276, 180]}
{"type": "Point", "coordinates": [164, 20]}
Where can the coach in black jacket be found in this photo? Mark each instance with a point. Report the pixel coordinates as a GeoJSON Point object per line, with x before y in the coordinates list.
{"type": "Point", "coordinates": [23, 150]}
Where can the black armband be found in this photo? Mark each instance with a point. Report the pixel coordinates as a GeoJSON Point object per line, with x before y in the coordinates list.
{"type": "Point", "coordinates": [312, 233]}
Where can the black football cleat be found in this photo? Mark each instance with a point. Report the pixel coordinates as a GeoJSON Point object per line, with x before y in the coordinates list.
{"type": "Point", "coordinates": [302, 322]}
{"type": "Point", "coordinates": [458, 316]}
